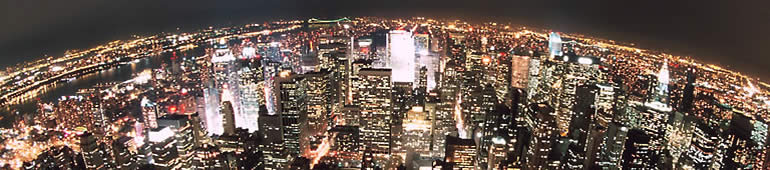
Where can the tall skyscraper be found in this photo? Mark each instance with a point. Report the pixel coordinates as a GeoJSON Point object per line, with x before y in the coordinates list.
{"type": "Point", "coordinates": [421, 41]}
{"type": "Point", "coordinates": [544, 135]}
{"type": "Point", "coordinates": [124, 157]}
{"type": "Point", "coordinates": [460, 153]}
{"type": "Point", "coordinates": [292, 111]}
{"type": "Point", "coordinates": [226, 109]}
{"type": "Point", "coordinates": [402, 56]}
{"type": "Point", "coordinates": [183, 133]}
{"type": "Point", "coordinates": [163, 144]}
{"type": "Point", "coordinates": [659, 98]}
{"type": "Point", "coordinates": [520, 71]}
{"type": "Point", "coordinates": [416, 136]}
{"type": "Point", "coordinates": [272, 141]}
{"type": "Point", "coordinates": [149, 113]}
{"type": "Point", "coordinates": [318, 101]}
{"type": "Point", "coordinates": [374, 98]}
{"type": "Point", "coordinates": [610, 155]}
{"type": "Point", "coordinates": [637, 153]}
{"type": "Point", "coordinates": [250, 95]}
{"type": "Point", "coordinates": [554, 44]}
{"type": "Point", "coordinates": [688, 97]}
{"type": "Point", "coordinates": [93, 156]}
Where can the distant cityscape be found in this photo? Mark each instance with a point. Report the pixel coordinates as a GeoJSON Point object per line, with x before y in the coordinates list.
{"type": "Point", "coordinates": [379, 93]}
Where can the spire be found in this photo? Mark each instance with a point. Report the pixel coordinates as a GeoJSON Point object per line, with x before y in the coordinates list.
{"type": "Point", "coordinates": [663, 77]}
{"type": "Point", "coordinates": [659, 99]}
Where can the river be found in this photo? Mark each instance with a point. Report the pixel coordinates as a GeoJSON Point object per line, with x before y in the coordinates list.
{"type": "Point", "coordinates": [116, 74]}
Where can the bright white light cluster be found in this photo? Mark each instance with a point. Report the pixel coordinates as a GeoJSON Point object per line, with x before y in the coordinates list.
{"type": "Point", "coordinates": [161, 135]}
{"type": "Point", "coordinates": [402, 52]}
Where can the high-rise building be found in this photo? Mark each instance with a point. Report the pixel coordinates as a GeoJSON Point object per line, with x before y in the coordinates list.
{"type": "Point", "coordinates": [610, 155]}
{"type": "Point", "coordinates": [318, 95]}
{"type": "Point", "coordinates": [401, 51]}
{"type": "Point", "coordinates": [421, 41]}
{"type": "Point", "coordinates": [637, 154]}
{"type": "Point", "coordinates": [226, 109]}
{"type": "Point", "coordinates": [149, 113]}
{"type": "Point", "coordinates": [580, 133]}
{"type": "Point", "coordinates": [207, 157]}
{"type": "Point", "coordinates": [272, 141]}
{"type": "Point", "coordinates": [659, 98]}
{"type": "Point", "coordinates": [416, 136]}
{"type": "Point", "coordinates": [292, 110]}
{"type": "Point", "coordinates": [520, 71]}
{"type": "Point", "coordinates": [460, 153]}
{"type": "Point", "coordinates": [403, 100]}
{"type": "Point", "coordinates": [701, 154]}
{"type": "Point", "coordinates": [542, 120]}
{"type": "Point", "coordinates": [554, 44]}
{"type": "Point", "coordinates": [183, 133]}
{"type": "Point", "coordinates": [250, 95]}
{"type": "Point", "coordinates": [211, 117]}
{"type": "Point", "coordinates": [688, 97]}
{"type": "Point", "coordinates": [122, 151]}
{"type": "Point", "coordinates": [93, 156]}
{"type": "Point", "coordinates": [498, 153]}
{"type": "Point", "coordinates": [744, 143]}
{"type": "Point", "coordinates": [164, 149]}
{"type": "Point", "coordinates": [347, 147]}
{"type": "Point", "coordinates": [373, 96]}
{"type": "Point", "coordinates": [534, 78]}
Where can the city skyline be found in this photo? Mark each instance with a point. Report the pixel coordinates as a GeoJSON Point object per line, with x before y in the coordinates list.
{"type": "Point", "coordinates": [380, 93]}
{"type": "Point", "coordinates": [718, 32]}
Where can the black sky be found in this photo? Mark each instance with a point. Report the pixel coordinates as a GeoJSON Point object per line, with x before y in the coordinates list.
{"type": "Point", "coordinates": [733, 33]}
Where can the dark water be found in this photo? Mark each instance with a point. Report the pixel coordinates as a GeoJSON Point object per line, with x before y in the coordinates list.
{"type": "Point", "coordinates": [116, 74]}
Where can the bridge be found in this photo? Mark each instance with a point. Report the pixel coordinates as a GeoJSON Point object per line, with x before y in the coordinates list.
{"type": "Point", "coordinates": [319, 21]}
{"type": "Point", "coordinates": [13, 97]}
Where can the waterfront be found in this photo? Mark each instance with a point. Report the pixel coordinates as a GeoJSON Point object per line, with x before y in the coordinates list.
{"type": "Point", "coordinates": [119, 73]}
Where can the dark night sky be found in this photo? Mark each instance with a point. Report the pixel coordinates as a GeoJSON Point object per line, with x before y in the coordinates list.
{"type": "Point", "coordinates": [733, 33]}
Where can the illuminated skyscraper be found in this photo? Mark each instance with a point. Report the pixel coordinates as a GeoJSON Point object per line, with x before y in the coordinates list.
{"type": "Point", "coordinates": [292, 99]}
{"type": "Point", "coordinates": [659, 98]}
{"type": "Point", "coordinates": [122, 151]}
{"type": "Point", "coordinates": [637, 153]}
{"type": "Point", "coordinates": [610, 155]}
{"type": "Point", "coordinates": [416, 135]}
{"type": "Point", "coordinates": [227, 110]}
{"type": "Point", "coordinates": [703, 147]}
{"type": "Point", "coordinates": [534, 78]}
{"type": "Point", "coordinates": [149, 113]}
{"type": "Point", "coordinates": [460, 153]}
{"type": "Point", "coordinates": [421, 42]}
{"type": "Point", "coordinates": [544, 134]}
{"type": "Point", "coordinates": [183, 133]}
{"type": "Point", "coordinates": [164, 150]}
{"type": "Point", "coordinates": [318, 97]}
{"type": "Point", "coordinates": [374, 98]}
{"type": "Point", "coordinates": [211, 118]}
{"type": "Point", "coordinates": [250, 94]}
{"type": "Point", "coordinates": [520, 71]}
{"type": "Point", "coordinates": [554, 44]}
{"type": "Point", "coordinates": [402, 56]}
{"type": "Point", "coordinates": [93, 156]}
